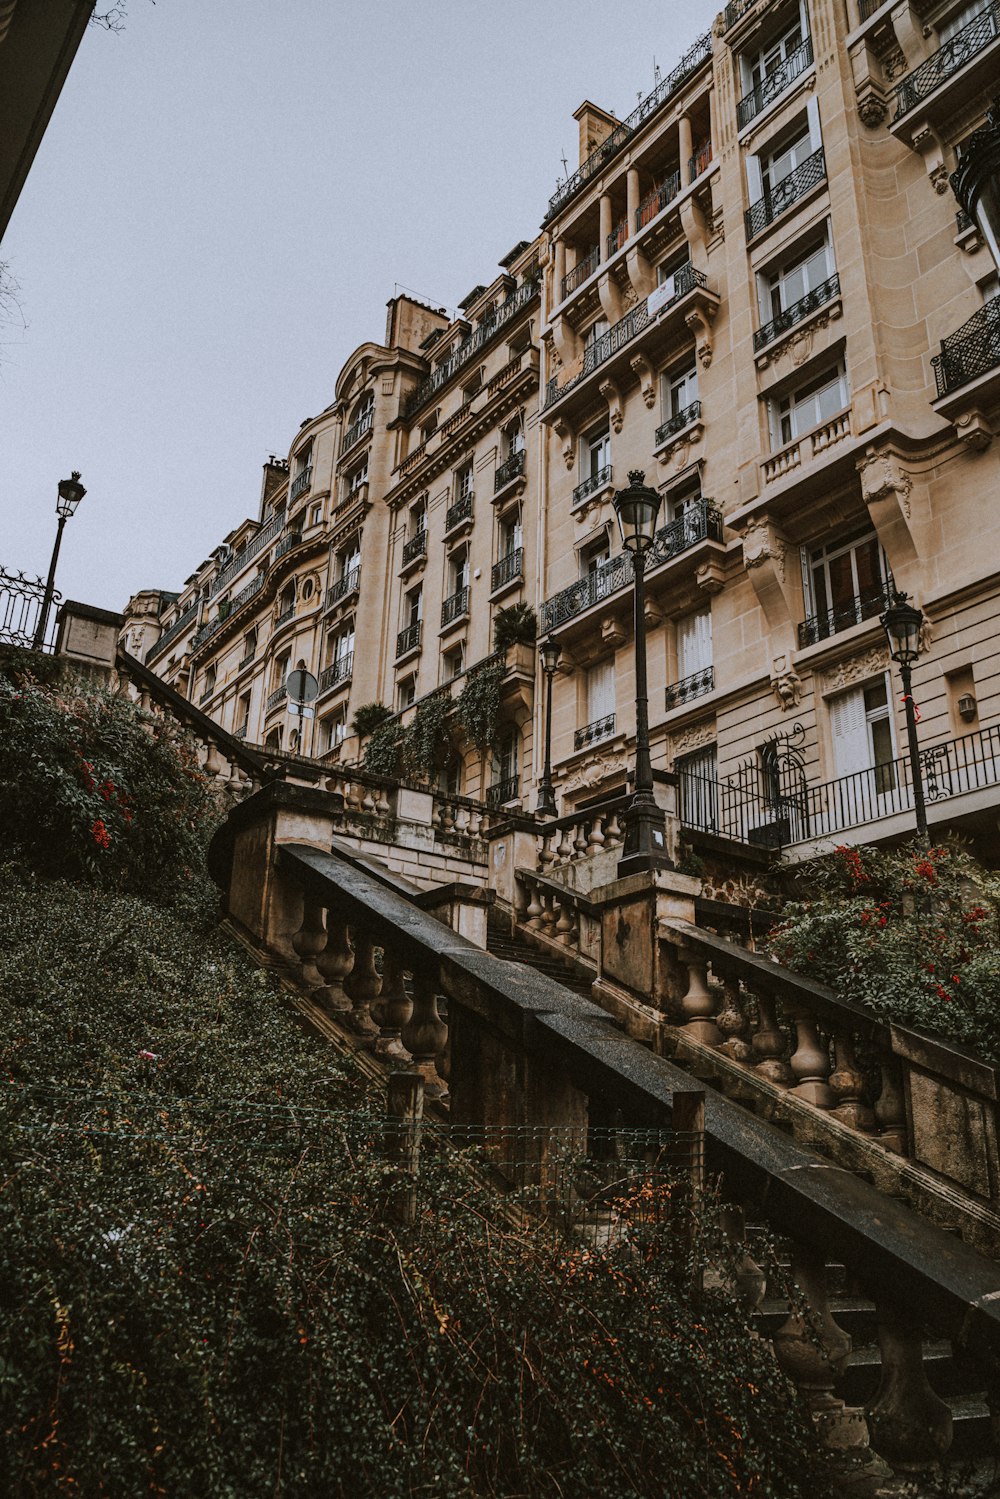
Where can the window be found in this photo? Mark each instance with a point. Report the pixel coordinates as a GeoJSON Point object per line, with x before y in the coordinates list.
{"type": "Point", "coordinates": [316, 514]}
{"type": "Point", "coordinates": [279, 670]}
{"type": "Point", "coordinates": [594, 556]}
{"type": "Point", "coordinates": [413, 604]}
{"type": "Point", "coordinates": [358, 478]}
{"type": "Point", "coordinates": [349, 560]}
{"type": "Point", "coordinates": [513, 438]}
{"type": "Point", "coordinates": [509, 537]}
{"type": "Point", "coordinates": [504, 764]}
{"type": "Point", "coordinates": [786, 152]}
{"type": "Point", "coordinates": [596, 452]}
{"type": "Point", "coordinates": [594, 332]}
{"type": "Point", "coordinates": [668, 273]}
{"type": "Point", "coordinates": [601, 692]}
{"type": "Point", "coordinates": [862, 734]}
{"type": "Point", "coordinates": [242, 722]}
{"type": "Point", "coordinates": [209, 683]}
{"type": "Point", "coordinates": [249, 645]}
{"type": "Point", "coordinates": [286, 601]}
{"type": "Point", "coordinates": [341, 648]}
{"type": "Point", "coordinates": [788, 282]}
{"type": "Point", "coordinates": [680, 389]}
{"type": "Point", "coordinates": [694, 644]}
{"type": "Point", "coordinates": [458, 572]}
{"type": "Point", "coordinates": [406, 693]}
{"type": "Point", "coordinates": [364, 410]}
{"type": "Point", "coordinates": [845, 582]}
{"type": "Point", "coordinates": [820, 399]}
{"type": "Point", "coordinates": [698, 788]}
{"type": "Point", "coordinates": [332, 732]}
{"type": "Point", "coordinates": [303, 459]}
{"type": "Point", "coordinates": [463, 482]}
{"type": "Point", "coordinates": [429, 427]}
{"type": "Point", "coordinates": [472, 387]}
{"type": "Point", "coordinates": [959, 19]}
{"type": "Point", "coordinates": [756, 67]}
{"type": "Point", "coordinates": [417, 519]}
{"type": "Point", "coordinates": [453, 663]}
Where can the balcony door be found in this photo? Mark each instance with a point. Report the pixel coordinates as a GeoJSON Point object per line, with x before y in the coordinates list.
{"type": "Point", "coordinates": [601, 691]}
{"type": "Point", "coordinates": [867, 783]}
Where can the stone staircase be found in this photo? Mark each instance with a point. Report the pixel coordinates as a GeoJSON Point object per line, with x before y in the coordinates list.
{"type": "Point", "coordinates": [568, 972]}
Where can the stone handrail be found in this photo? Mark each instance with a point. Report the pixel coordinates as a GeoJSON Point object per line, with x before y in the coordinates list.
{"type": "Point", "coordinates": [581, 834]}
{"type": "Point", "coordinates": [518, 1046]}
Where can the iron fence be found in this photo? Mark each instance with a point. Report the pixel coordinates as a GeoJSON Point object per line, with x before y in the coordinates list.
{"type": "Point", "coordinates": [696, 684]}
{"type": "Point", "coordinates": [507, 570]}
{"type": "Point", "coordinates": [592, 733]}
{"type": "Point", "coordinates": [21, 600]}
{"type": "Point", "coordinates": [510, 469]}
{"type": "Point", "coordinates": [782, 321]}
{"type": "Point", "coordinates": [678, 422]}
{"type": "Point", "coordinates": [831, 621]}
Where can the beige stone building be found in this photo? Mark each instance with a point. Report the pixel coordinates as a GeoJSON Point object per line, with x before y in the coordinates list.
{"type": "Point", "coordinates": [755, 289]}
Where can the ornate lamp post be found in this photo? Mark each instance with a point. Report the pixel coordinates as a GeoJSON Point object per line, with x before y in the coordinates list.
{"type": "Point", "coordinates": [901, 623]}
{"type": "Point", "coordinates": [645, 825]}
{"type": "Point", "coordinates": [71, 492]}
{"type": "Point", "coordinates": [976, 183]}
{"type": "Point", "coordinates": [549, 652]}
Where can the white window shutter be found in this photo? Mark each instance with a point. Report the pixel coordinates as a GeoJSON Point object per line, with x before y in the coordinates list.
{"type": "Point", "coordinates": [601, 690]}
{"type": "Point", "coordinates": [812, 114]}
{"type": "Point", "coordinates": [849, 732]}
{"type": "Point", "coordinates": [755, 183]}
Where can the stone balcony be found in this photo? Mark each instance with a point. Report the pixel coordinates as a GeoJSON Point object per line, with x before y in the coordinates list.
{"type": "Point", "coordinates": [967, 374]}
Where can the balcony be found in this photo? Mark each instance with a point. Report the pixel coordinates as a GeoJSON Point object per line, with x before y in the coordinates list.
{"type": "Point", "coordinates": [502, 791]}
{"type": "Point", "coordinates": [343, 588]}
{"type": "Point", "coordinates": [245, 594]}
{"type": "Point", "coordinates": [701, 522]}
{"type": "Point", "coordinates": [733, 11]}
{"type": "Point", "coordinates": [698, 53]}
{"type": "Point", "coordinates": [181, 623]}
{"type": "Point", "coordinates": [831, 621]}
{"type": "Point", "coordinates": [512, 468]}
{"type": "Point", "coordinates": [617, 237]}
{"type": "Point", "coordinates": [508, 570]}
{"type": "Point", "coordinates": [948, 60]}
{"type": "Point", "coordinates": [408, 640]}
{"type": "Point", "coordinates": [593, 733]}
{"type": "Point", "coordinates": [800, 181]}
{"type": "Point", "coordinates": [208, 693]}
{"type": "Point", "coordinates": [811, 445]}
{"type": "Point", "coordinates": [286, 544]}
{"type": "Point", "coordinates": [300, 484]}
{"type": "Point", "coordinates": [971, 351]}
{"type": "Point", "coordinates": [465, 351]}
{"type": "Point", "coordinates": [360, 429]}
{"type": "Point", "coordinates": [654, 202]}
{"type": "Point", "coordinates": [581, 272]}
{"type": "Point", "coordinates": [248, 660]}
{"type": "Point", "coordinates": [591, 486]}
{"type": "Point", "coordinates": [686, 280]}
{"type": "Point", "coordinates": [276, 698]}
{"type": "Point", "coordinates": [677, 423]}
{"type": "Point", "coordinates": [284, 617]}
{"type": "Point", "coordinates": [457, 514]}
{"type": "Point", "coordinates": [455, 607]}
{"type": "Point", "coordinates": [264, 536]}
{"type": "Point", "coordinates": [240, 732]}
{"type": "Point", "coordinates": [769, 88]}
{"type": "Point", "coordinates": [415, 548]}
{"type": "Point", "coordinates": [338, 671]}
{"type": "Point", "coordinates": [700, 161]}
{"type": "Point", "coordinates": [690, 687]}
{"type": "Point", "coordinates": [797, 313]}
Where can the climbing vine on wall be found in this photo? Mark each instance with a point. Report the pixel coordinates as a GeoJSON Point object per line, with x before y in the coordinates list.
{"type": "Point", "coordinates": [427, 743]}
{"type": "Point", "coordinates": [382, 752]}
{"type": "Point", "coordinates": [478, 706]}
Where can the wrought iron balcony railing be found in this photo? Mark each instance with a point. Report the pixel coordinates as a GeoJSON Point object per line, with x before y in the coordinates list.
{"type": "Point", "coordinates": [209, 692]}
{"type": "Point", "coordinates": [868, 8]}
{"type": "Point", "coordinates": [701, 159]}
{"type": "Point", "coordinates": [408, 640]}
{"type": "Point", "coordinates": [235, 603]}
{"type": "Point", "coordinates": [831, 621]}
{"type": "Point", "coordinates": [240, 732]}
{"type": "Point", "coordinates": [592, 733]}
{"type": "Point", "coordinates": [337, 671]}
{"type": "Point", "coordinates": [592, 485]}
{"type": "Point", "coordinates": [343, 587]}
{"type": "Point", "coordinates": [690, 687]}
{"type": "Point", "coordinates": [798, 310]}
{"type": "Point", "coordinates": [801, 180]}
{"type": "Point", "coordinates": [971, 351]}
{"type": "Point", "coordinates": [947, 60]}
{"type": "Point", "coordinates": [415, 547]}
{"type": "Point", "coordinates": [581, 272]}
{"type": "Point", "coordinates": [300, 483]}
{"type": "Point", "coordinates": [236, 564]}
{"type": "Point", "coordinates": [277, 696]}
{"type": "Point", "coordinates": [634, 321]}
{"type": "Point", "coordinates": [510, 469]}
{"type": "Point", "coordinates": [617, 237]}
{"type": "Point", "coordinates": [678, 422]}
{"type": "Point", "coordinates": [358, 430]}
{"type": "Point", "coordinates": [700, 522]}
{"type": "Point", "coordinates": [733, 11]}
{"type": "Point", "coordinates": [286, 544]}
{"type": "Point", "coordinates": [693, 58]}
{"type": "Point", "coordinates": [654, 202]}
{"type": "Point", "coordinates": [180, 624]}
{"type": "Point", "coordinates": [248, 660]}
{"type": "Point", "coordinates": [454, 607]}
{"type": "Point", "coordinates": [752, 104]}
{"type": "Point", "coordinates": [468, 347]}
{"type": "Point", "coordinates": [502, 791]}
{"type": "Point", "coordinates": [507, 570]}
{"type": "Point", "coordinates": [284, 617]}
{"type": "Point", "coordinates": [457, 513]}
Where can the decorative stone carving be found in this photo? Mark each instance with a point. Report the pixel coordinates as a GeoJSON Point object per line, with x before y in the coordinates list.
{"type": "Point", "coordinates": [760, 545]}
{"type": "Point", "coordinates": [974, 430]}
{"type": "Point", "coordinates": [925, 636]}
{"type": "Point", "coordinates": [612, 632]}
{"type": "Point", "coordinates": [629, 296]}
{"type": "Point", "coordinates": [893, 63]}
{"type": "Point", "coordinates": [609, 390]}
{"type": "Point", "coordinates": [797, 347]}
{"type": "Point", "coordinates": [136, 636]}
{"type": "Point", "coordinates": [926, 140]}
{"type": "Point", "coordinates": [592, 771]}
{"type": "Point", "coordinates": [700, 324]}
{"type": "Point", "coordinates": [882, 480]}
{"type": "Point", "coordinates": [939, 177]}
{"type": "Point", "coordinates": [786, 684]}
{"type": "Point", "coordinates": [856, 669]}
{"type": "Point", "coordinates": [646, 378]}
{"type": "Point", "coordinates": [652, 613]}
{"type": "Point", "coordinates": [872, 108]}
{"type": "Point", "coordinates": [710, 576]}
{"type": "Point", "coordinates": [695, 737]}
{"type": "Point", "coordinates": [567, 437]}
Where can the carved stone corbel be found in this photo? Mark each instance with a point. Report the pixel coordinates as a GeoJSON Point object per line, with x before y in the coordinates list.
{"type": "Point", "coordinates": [611, 632]}
{"type": "Point", "coordinates": [711, 576]}
{"type": "Point", "coordinates": [786, 684]}
{"type": "Point", "coordinates": [699, 320]}
{"type": "Point", "coordinates": [652, 613]}
{"type": "Point", "coordinates": [647, 380]}
{"type": "Point", "coordinates": [764, 552]}
{"type": "Point", "coordinates": [886, 489]}
{"type": "Point", "coordinates": [974, 430]}
{"type": "Point", "coordinates": [609, 390]}
{"type": "Point", "coordinates": [926, 140]}
{"type": "Point", "coordinates": [567, 436]}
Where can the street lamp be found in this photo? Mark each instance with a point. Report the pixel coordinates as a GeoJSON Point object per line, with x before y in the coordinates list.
{"type": "Point", "coordinates": [645, 825]}
{"type": "Point", "coordinates": [549, 652]}
{"type": "Point", "coordinates": [71, 492]}
{"type": "Point", "coordinates": [901, 623]}
{"type": "Point", "coordinates": [976, 183]}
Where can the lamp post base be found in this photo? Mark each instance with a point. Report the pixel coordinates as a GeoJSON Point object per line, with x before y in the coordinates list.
{"type": "Point", "coordinates": [645, 843]}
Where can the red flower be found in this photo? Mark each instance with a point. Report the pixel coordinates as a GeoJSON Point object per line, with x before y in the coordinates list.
{"type": "Point", "coordinates": [100, 834]}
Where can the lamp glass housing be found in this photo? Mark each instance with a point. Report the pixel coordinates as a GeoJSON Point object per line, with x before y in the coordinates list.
{"type": "Point", "coordinates": [637, 508]}
{"type": "Point", "coordinates": [71, 492]}
{"type": "Point", "coordinates": [901, 623]}
{"type": "Point", "coordinates": [549, 651]}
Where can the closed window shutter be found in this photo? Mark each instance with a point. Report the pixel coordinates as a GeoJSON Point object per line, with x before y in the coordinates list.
{"type": "Point", "coordinates": [694, 643]}
{"type": "Point", "coordinates": [849, 731]}
{"type": "Point", "coordinates": [600, 691]}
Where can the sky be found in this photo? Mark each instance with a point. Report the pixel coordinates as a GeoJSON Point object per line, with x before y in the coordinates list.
{"type": "Point", "coordinates": [228, 193]}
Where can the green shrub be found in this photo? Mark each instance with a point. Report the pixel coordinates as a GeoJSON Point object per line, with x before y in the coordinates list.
{"type": "Point", "coordinates": [516, 624]}
{"type": "Point", "coordinates": [383, 750]}
{"type": "Point", "coordinates": [368, 717]}
{"type": "Point", "coordinates": [95, 788]}
{"type": "Point", "coordinates": [426, 742]}
{"type": "Point", "coordinates": [913, 934]}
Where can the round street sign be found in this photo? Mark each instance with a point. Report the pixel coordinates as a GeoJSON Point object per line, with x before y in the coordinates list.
{"type": "Point", "coordinates": [301, 686]}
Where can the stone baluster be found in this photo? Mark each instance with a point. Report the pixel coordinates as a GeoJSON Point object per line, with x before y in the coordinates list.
{"type": "Point", "coordinates": [910, 1426]}
{"type": "Point", "coordinates": [446, 816]}
{"type": "Point", "coordinates": [613, 835]}
{"type": "Point", "coordinates": [424, 1033]}
{"type": "Point", "coordinates": [546, 854]}
{"type": "Point", "coordinates": [768, 1045]}
{"type": "Point", "coordinates": [145, 701]}
{"type": "Point", "coordinates": [334, 963]}
{"type": "Point", "coordinates": [748, 1279]}
{"type": "Point", "coordinates": [462, 821]}
{"type": "Point", "coordinates": [382, 804]}
{"type": "Point", "coordinates": [394, 1010]}
{"type": "Point", "coordinates": [699, 1003]}
{"type": "Point", "coordinates": [362, 985]}
{"type": "Point", "coordinates": [595, 842]}
{"type": "Point", "coordinates": [565, 927]}
{"type": "Point", "coordinates": [475, 826]}
{"type": "Point", "coordinates": [548, 914]}
{"type": "Point", "coordinates": [308, 942]}
{"type": "Point", "coordinates": [533, 909]}
{"type": "Point", "coordinates": [733, 1024]}
{"type": "Point", "coordinates": [810, 1063]}
{"type": "Point", "coordinates": [579, 839]}
{"type": "Point", "coordinates": [367, 800]}
{"type": "Point", "coordinates": [565, 849]}
{"type": "Point", "coordinates": [124, 683]}
{"type": "Point", "coordinates": [848, 1084]}
{"type": "Point", "coordinates": [890, 1109]}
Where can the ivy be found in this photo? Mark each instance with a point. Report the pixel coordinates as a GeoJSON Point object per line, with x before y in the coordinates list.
{"type": "Point", "coordinates": [478, 706]}
{"type": "Point", "coordinates": [382, 752]}
{"type": "Point", "coordinates": [517, 624]}
{"type": "Point", "coordinates": [427, 744]}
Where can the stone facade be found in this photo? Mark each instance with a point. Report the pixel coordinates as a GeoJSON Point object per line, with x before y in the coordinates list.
{"type": "Point", "coordinates": [740, 292]}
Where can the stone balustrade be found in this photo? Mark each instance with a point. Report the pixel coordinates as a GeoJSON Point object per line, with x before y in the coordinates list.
{"type": "Point", "coordinates": [581, 835]}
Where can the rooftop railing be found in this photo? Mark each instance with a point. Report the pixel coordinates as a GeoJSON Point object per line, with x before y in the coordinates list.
{"type": "Point", "coordinates": [799, 310]}
{"type": "Point", "coordinates": [180, 624]}
{"type": "Point", "coordinates": [971, 351]}
{"type": "Point", "coordinates": [949, 59]}
{"type": "Point", "coordinates": [469, 346]}
{"type": "Point", "coordinates": [769, 88]}
{"type": "Point", "coordinates": [801, 180]}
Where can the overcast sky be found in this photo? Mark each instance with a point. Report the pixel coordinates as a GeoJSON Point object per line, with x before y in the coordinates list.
{"type": "Point", "coordinates": [226, 197]}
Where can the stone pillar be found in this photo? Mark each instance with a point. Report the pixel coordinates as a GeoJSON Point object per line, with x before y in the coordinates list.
{"type": "Point", "coordinates": [424, 1034]}
{"type": "Point", "coordinates": [911, 1427]}
{"type": "Point", "coordinates": [633, 197]}
{"type": "Point", "coordinates": [363, 985]}
{"type": "Point", "coordinates": [606, 214]}
{"type": "Point", "coordinates": [684, 147]}
{"type": "Point", "coordinates": [559, 271]}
